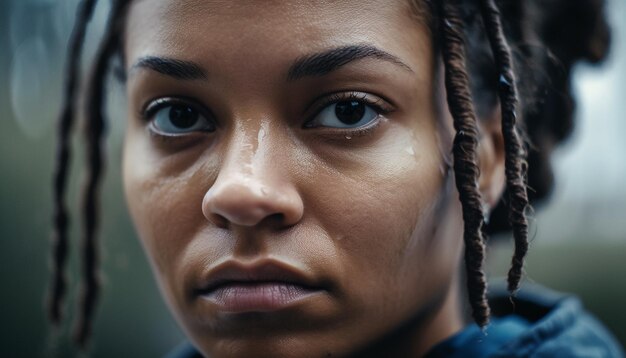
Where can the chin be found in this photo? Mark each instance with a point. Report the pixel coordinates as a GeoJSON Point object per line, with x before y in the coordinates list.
{"type": "Point", "coordinates": [279, 346]}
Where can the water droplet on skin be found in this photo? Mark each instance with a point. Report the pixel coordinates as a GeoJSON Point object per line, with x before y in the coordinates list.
{"type": "Point", "coordinates": [348, 137]}
{"type": "Point", "coordinates": [410, 150]}
{"type": "Point", "coordinates": [261, 135]}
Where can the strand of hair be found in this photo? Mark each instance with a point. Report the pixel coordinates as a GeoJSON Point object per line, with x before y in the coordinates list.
{"type": "Point", "coordinates": [464, 151]}
{"type": "Point", "coordinates": [60, 245]}
{"type": "Point", "coordinates": [515, 153]}
{"type": "Point", "coordinates": [94, 135]}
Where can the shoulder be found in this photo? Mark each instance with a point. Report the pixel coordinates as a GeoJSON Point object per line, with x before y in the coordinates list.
{"type": "Point", "coordinates": [559, 327]}
{"type": "Point", "coordinates": [536, 323]}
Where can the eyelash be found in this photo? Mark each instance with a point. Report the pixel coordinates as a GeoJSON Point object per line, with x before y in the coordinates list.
{"type": "Point", "coordinates": [377, 103]}
{"type": "Point", "coordinates": [153, 106]}
{"type": "Point", "coordinates": [380, 106]}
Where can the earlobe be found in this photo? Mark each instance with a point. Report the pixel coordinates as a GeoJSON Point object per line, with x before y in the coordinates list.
{"type": "Point", "coordinates": [492, 178]}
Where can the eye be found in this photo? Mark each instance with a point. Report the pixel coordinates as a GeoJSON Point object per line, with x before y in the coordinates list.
{"type": "Point", "coordinates": [171, 117]}
{"type": "Point", "coordinates": [346, 112]}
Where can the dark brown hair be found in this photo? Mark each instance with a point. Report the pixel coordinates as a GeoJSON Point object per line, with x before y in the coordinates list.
{"type": "Point", "coordinates": [491, 40]}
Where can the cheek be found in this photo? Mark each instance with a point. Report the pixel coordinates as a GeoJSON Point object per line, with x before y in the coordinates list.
{"type": "Point", "coordinates": [385, 193]}
{"type": "Point", "coordinates": [382, 213]}
{"type": "Point", "coordinates": [164, 201]}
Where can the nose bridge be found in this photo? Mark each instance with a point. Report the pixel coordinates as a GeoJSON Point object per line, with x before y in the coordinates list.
{"type": "Point", "coordinates": [252, 184]}
{"type": "Point", "coordinates": [246, 156]}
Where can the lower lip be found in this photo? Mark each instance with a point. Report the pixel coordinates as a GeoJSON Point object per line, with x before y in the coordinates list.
{"type": "Point", "coordinates": [257, 297]}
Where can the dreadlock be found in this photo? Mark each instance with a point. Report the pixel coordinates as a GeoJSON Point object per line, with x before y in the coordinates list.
{"type": "Point", "coordinates": [94, 136]}
{"type": "Point", "coordinates": [453, 26]}
{"type": "Point", "coordinates": [66, 122]}
{"type": "Point", "coordinates": [465, 163]}
{"type": "Point", "coordinates": [515, 154]}
{"type": "Point", "coordinates": [94, 131]}
{"type": "Point", "coordinates": [464, 149]}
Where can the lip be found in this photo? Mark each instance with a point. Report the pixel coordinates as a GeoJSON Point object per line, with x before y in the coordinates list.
{"type": "Point", "coordinates": [265, 286]}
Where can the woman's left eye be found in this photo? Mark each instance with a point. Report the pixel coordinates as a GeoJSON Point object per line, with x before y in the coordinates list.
{"type": "Point", "coordinates": [350, 113]}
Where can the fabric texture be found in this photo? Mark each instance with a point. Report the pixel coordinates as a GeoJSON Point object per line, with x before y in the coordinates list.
{"type": "Point", "coordinates": [537, 323]}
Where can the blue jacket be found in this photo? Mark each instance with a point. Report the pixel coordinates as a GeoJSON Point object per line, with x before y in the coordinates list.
{"type": "Point", "coordinates": [541, 323]}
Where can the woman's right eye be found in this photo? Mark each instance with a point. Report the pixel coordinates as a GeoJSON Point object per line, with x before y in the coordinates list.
{"type": "Point", "coordinates": [175, 118]}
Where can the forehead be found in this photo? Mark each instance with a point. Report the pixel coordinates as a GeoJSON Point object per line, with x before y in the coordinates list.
{"type": "Point", "coordinates": [254, 30]}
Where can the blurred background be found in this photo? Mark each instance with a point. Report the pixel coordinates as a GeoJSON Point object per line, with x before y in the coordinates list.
{"type": "Point", "coordinates": [578, 238]}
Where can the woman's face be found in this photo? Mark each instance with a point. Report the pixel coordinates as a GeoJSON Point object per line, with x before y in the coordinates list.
{"type": "Point", "coordinates": [283, 168]}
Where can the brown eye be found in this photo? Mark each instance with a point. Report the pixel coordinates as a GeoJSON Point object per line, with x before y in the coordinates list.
{"type": "Point", "coordinates": [173, 117]}
{"type": "Point", "coordinates": [350, 112]}
{"type": "Point", "coordinates": [183, 117]}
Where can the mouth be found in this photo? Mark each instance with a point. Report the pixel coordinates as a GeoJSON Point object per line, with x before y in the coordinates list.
{"type": "Point", "coordinates": [264, 287]}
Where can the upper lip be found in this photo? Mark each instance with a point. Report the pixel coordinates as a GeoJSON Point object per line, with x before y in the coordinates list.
{"type": "Point", "coordinates": [233, 271]}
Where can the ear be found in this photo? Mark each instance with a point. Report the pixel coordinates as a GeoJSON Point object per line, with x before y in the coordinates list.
{"type": "Point", "coordinates": [490, 153]}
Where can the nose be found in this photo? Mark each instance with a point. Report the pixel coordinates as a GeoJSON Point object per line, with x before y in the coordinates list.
{"type": "Point", "coordinates": [248, 203]}
{"type": "Point", "coordinates": [247, 193]}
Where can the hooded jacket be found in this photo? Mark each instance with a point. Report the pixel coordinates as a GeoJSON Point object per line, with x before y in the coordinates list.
{"type": "Point", "coordinates": [537, 323]}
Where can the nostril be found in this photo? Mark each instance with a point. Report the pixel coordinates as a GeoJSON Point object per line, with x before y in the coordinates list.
{"type": "Point", "coordinates": [277, 219]}
{"type": "Point", "coordinates": [219, 220]}
{"type": "Point", "coordinates": [249, 203]}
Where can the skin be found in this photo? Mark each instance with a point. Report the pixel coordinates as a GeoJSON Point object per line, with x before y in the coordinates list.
{"type": "Point", "coordinates": [373, 215]}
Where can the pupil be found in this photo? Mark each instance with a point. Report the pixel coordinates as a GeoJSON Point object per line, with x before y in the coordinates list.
{"type": "Point", "coordinates": [183, 116]}
{"type": "Point", "coordinates": [349, 112]}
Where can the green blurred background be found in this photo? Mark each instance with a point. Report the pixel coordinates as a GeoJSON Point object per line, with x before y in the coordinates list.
{"type": "Point", "coordinates": [579, 239]}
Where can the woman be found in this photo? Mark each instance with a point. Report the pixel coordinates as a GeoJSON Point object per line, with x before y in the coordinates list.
{"type": "Point", "coordinates": [294, 170]}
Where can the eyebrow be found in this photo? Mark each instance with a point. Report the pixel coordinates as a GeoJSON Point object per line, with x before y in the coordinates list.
{"type": "Point", "coordinates": [317, 64]}
{"type": "Point", "coordinates": [179, 69]}
{"type": "Point", "coordinates": [322, 63]}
